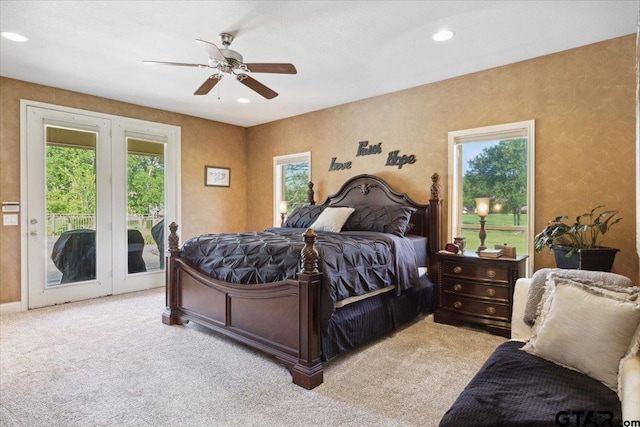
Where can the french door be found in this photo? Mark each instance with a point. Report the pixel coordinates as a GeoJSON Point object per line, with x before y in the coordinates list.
{"type": "Point", "coordinates": [96, 198]}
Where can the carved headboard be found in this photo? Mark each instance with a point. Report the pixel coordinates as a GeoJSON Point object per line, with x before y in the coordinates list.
{"type": "Point", "coordinates": [372, 190]}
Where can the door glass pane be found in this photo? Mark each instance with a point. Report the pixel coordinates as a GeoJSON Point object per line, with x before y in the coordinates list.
{"type": "Point", "coordinates": [71, 205]}
{"type": "Point", "coordinates": [145, 205]}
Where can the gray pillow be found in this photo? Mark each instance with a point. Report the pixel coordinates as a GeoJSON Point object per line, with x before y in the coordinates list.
{"type": "Point", "coordinates": [392, 219]}
{"type": "Point", "coordinates": [303, 216]}
{"type": "Point", "coordinates": [539, 278]}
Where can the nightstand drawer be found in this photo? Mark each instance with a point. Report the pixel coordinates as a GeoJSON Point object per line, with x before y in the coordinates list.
{"type": "Point", "coordinates": [497, 292]}
{"type": "Point", "coordinates": [475, 307]}
{"type": "Point", "coordinates": [475, 271]}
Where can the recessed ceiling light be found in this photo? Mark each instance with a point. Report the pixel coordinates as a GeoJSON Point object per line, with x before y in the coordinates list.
{"type": "Point", "coordinates": [443, 35]}
{"type": "Point", "coordinates": [14, 36]}
{"type": "Point", "coordinates": [243, 100]}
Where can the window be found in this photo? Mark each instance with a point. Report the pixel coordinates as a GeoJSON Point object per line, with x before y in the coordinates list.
{"type": "Point", "coordinates": [145, 200]}
{"type": "Point", "coordinates": [291, 176]}
{"type": "Point", "coordinates": [496, 162]}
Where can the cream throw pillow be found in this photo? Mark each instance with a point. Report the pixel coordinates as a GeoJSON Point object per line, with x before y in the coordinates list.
{"type": "Point", "coordinates": [584, 329]}
{"type": "Point", "coordinates": [332, 219]}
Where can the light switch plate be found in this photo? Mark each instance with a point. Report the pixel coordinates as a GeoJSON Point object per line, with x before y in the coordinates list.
{"type": "Point", "coordinates": [9, 219]}
{"type": "Point", "coordinates": [10, 207]}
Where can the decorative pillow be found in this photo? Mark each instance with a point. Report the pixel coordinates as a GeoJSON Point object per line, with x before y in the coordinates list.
{"type": "Point", "coordinates": [332, 219]}
{"type": "Point", "coordinates": [303, 216]}
{"type": "Point", "coordinates": [633, 351]}
{"type": "Point", "coordinates": [584, 329]}
{"type": "Point", "coordinates": [392, 219]}
{"type": "Point", "coordinates": [539, 278]}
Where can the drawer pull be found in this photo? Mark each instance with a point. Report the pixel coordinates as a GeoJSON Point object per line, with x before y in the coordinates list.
{"type": "Point", "coordinates": [457, 287]}
{"type": "Point", "coordinates": [457, 269]}
{"type": "Point", "coordinates": [457, 304]}
{"type": "Point", "coordinates": [491, 310]}
{"type": "Point", "coordinates": [491, 292]}
{"type": "Point", "coordinates": [491, 273]}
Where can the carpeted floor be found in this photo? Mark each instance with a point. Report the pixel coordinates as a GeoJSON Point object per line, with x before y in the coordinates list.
{"type": "Point", "coordinates": [111, 362]}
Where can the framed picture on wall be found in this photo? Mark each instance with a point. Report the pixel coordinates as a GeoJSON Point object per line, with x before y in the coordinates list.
{"type": "Point", "coordinates": [217, 177]}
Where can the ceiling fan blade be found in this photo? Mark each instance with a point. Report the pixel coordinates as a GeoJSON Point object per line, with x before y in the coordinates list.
{"type": "Point", "coordinates": [212, 50]}
{"type": "Point", "coordinates": [272, 68]}
{"type": "Point", "coordinates": [255, 85]}
{"type": "Point", "coordinates": [181, 64]}
{"type": "Point", "coordinates": [208, 84]}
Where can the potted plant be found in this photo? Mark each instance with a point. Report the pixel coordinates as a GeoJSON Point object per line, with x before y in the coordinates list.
{"type": "Point", "coordinates": [577, 245]}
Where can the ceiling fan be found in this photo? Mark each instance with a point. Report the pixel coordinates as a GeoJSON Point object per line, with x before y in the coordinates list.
{"type": "Point", "coordinates": [227, 61]}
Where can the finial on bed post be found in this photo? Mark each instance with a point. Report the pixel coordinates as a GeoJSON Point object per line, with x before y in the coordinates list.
{"type": "Point", "coordinates": [310, 194]}
{"type": "Point", "coordinates": [173, 239]}
{"type": "Point", "coordinates": [436, 188]}
{"type": "Point", "coordinates": [309, 253]}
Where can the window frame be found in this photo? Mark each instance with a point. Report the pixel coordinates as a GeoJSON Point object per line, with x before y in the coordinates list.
{"type": "Point", "coordinates": [278, 181]}
{"type": "Point", "coordinates": [456, 139]}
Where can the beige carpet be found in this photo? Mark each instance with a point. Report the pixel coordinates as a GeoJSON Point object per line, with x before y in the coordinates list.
{"type": "Point", "coordinates": [111, 362]}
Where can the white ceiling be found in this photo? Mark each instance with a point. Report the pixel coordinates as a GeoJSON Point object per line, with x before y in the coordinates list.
{"type": "Point", "coordinates": [343, 50]}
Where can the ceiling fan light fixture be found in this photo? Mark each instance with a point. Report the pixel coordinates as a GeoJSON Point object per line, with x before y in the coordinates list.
{"type": "Point", "coordinates": [14, 36]}
{"type": "Point", "coordinates": [226, 61]}
{"type": "Point", "coordinates": [443, 35]}
{"type": "Point", "coordinates": [243, 100]}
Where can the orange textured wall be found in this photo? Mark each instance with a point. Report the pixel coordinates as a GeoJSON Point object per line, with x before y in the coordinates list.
{"type": "Point", "coordinates": [204, 142]}
{"type": "Point", "coordinates": [583, 103]}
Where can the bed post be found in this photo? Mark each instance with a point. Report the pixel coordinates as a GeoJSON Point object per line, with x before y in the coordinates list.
{"type": "Point", "coordinates": [435, 223]}
{"type": "Point", "coordinates": [171, 300]}
{"type": "Point", "coordinates": [308, 371]}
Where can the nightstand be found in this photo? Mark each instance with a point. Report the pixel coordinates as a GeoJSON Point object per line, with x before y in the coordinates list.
{"type": "Point", "coordinates": [477, 290]}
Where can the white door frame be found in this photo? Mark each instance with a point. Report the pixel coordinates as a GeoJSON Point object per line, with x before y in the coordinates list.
{"type": "Point", "coordinates": [123, 281]}
{"type": "Point", "coordinates": [172, 187]}
{"type": "Point", "coordinates": [35, 209]}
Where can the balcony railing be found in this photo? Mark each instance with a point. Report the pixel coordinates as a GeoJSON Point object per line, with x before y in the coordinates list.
{"type": "Point", "coordinates": [59, 223]}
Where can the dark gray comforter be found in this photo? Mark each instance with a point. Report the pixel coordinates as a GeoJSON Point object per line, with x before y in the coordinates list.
{"type": "Point", "coordinates": [516, 389]}
{"type": "Point", "coordinates": [352, 263]}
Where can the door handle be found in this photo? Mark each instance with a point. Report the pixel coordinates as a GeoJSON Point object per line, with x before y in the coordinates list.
{"type": "Point", "coordinates": [33, 232]}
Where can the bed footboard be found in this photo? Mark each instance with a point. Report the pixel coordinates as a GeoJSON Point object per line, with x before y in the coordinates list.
{"type": "Point", "coordinates": [280, 318]}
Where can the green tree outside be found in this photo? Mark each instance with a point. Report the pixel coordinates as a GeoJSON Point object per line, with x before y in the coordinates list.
{"type": "Point", "coordinates": [71, 187]}
{"type": "Point", "coordinates": [499, 172]}
{"type": "Point", "coordinates": [296, 181]}
{"type": "Point", "coordinates": [71, 180]}
{"type": "Point", "coordinates": [145, 182]}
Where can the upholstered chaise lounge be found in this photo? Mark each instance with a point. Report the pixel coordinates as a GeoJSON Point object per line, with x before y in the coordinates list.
{"type": "Point", "coordinates": [517, 388]}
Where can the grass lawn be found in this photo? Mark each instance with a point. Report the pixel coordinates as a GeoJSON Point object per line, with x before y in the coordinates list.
{"type": "Point", "coordinates": [494, 237]}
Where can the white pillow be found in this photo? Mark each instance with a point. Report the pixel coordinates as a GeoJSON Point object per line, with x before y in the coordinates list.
{"type": "Point", "coordinates": [584, 329]}
{"type": "Point", "coordinates": [633, 351]}
{"type": "Point", "coordinates": [332, 219]}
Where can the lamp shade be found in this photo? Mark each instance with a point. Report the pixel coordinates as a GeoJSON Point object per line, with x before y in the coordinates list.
{"type": "Point", "coordinates": [482, 206]}
{"type": "Point", "coordinates": [283, 207]}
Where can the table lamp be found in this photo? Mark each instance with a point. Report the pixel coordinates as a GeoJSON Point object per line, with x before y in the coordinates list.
{"type": "Point", "coordinates": [283, 212]}
{"type": "Point", "coordinates": [482, 209]}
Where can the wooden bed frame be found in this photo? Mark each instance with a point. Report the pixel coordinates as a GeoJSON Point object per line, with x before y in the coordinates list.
{"type": "Point", "coordinates": [283, 318]}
